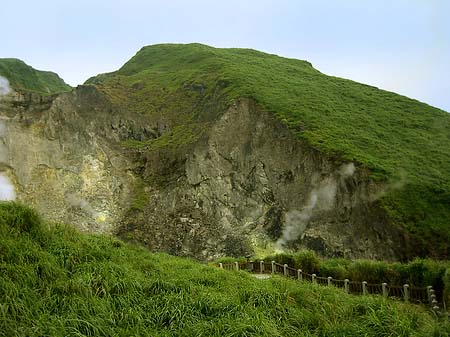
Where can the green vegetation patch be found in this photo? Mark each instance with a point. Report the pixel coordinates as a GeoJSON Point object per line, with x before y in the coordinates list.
{"type": "Point", "coordinates": [23, 77]}
{"type": "Point", "coordinates": [178, 136]}
{"type": "Point", "coordinates": [63, 283]}
{"type": "Point", "coordinates": [140, 196]}
{"type": "Point", "coordinates": [175, 138]}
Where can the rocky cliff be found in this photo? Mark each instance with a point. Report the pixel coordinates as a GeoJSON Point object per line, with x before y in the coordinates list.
{"type": "Point", "coordinates": [249, 184]}
{"type": "Point", "coordinates": [246, 184]}
{"type": "Point", "coordinates": [57, 153]}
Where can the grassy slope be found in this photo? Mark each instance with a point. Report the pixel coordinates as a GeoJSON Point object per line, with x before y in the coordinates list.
{"type": "Point", "coordinates": [57, 282]}
{"type": "Point", "coordinates": [22, 76]}
{"type": "Point", "coordinates": [399, 139]}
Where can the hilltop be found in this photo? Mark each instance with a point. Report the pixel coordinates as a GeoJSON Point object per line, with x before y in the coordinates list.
{"type": "Point", "coordinates": [21, 76]}
{"type": "Point", "coordinates": [55, 281]}
{"type": "Point", "coordinates": [384, 131]}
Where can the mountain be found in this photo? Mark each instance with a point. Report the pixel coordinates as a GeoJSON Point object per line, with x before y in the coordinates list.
{"type": "Point", "coordinates": [23, 77]}
{"type": "Point", "coordinates": [205, 152]}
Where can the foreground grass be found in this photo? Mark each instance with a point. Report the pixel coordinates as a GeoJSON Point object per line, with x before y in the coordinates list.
{"type": "Point", "coordinates": [58, 282]}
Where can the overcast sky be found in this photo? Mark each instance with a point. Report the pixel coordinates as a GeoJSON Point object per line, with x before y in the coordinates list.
{"type": "Point", "coordinates": [397, 45]}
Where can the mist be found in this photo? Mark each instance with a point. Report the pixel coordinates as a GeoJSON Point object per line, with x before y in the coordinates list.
{"type": "Point", "coordinates": [396, 183]}
{"type": "Point", "coordinates": [5, 89]}
{"type": "Point", "coordinates": [7, 192]}
{"type": "Point", "coordinates": [321, 198]}
{"type": "Point", "coordinates": [77, 202]}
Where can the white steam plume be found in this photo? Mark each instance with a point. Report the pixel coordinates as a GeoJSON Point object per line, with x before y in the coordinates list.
{"type": "Point", "coordinates": [346, 170]}
{"type": "Point", "coordinates": [396, 183]}
{"type": "Point", "coordinates": [80, 203]}
{"type": "Point", "coordinates": [7, 192]}
{"type": "Point", "coordinates": [4, 86]}
{"type": "Point", "coordinates": [321, 198]}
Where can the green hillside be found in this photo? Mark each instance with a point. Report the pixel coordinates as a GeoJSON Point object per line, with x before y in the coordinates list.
{"type": "Point", "coordinates": [400, 140]}
{"type": "Point", "coordinates": [23, 77]}
{"type": "Point", "coordinates": [57, 282]}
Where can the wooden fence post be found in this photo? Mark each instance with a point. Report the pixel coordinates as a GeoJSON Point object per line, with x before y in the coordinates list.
{"type": "Point", "coordinates": [434, 302]}
{"type": "Point", "coordinates": [429, 289]}
{"type": "Point", "coordinates": [299, 275]}
{"type": "Point", "coordinates": [273, 267]}
{"type": "Point", "coordinates": [329, 280]}
{"type": "Point", "coordinates": [221, 265]}
{"type": "Point", "coordinates": [285, 270]}
{"type": "Point", "coordinates": [250, 266]}
{"type": "Point", "coordinates": [346, 287]}
{"type": "Point", "coordinates": [261, 266]}
{"type": "Point", "coordinates": [406, 292]}
{"type": "Point", "coordinates": [364, 287]}
{"type": "Point", "coordinates": [385, 290]}
{"type": "Point", "coordinates": [313, 278]}
{"type": "Point", "coordinates": [435, 306]}
{"type": "Point", "coordinates": [432, 298]}
{"type": "Point", "coordinates": [236, 266]}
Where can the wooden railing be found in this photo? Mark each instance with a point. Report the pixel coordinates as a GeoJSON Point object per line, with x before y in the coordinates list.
{"type": "Point", "coordinates": [424, 295]}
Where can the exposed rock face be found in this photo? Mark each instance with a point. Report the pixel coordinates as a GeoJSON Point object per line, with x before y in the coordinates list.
{"type": "Point", "coordinates": [58, 155]}
{"type": "Point", "coordinates": [248, 182]}
{"type": "Point", "coordinates": [243, 185]}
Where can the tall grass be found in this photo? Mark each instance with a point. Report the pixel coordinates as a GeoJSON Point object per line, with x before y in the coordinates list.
{"type": "Point", "coordinates": [55, 281]}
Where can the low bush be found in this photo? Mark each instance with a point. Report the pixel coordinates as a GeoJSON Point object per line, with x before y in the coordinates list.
{"type": "Point", "coordinates": [306, 260]}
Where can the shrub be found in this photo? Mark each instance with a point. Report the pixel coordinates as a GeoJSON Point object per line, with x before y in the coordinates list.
{"type": "Point", "coordinates": [283, 258]}
{"type": "Point", "coordinates": [336, 268]}
{"type": "Point", "coordinates": [366, 270]}
{"type": "Point", "coordinates": [307, 261]}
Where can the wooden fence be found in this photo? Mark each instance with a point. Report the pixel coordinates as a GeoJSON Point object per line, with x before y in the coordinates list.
{"type": "Point", "coordinates": [400, 292]}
